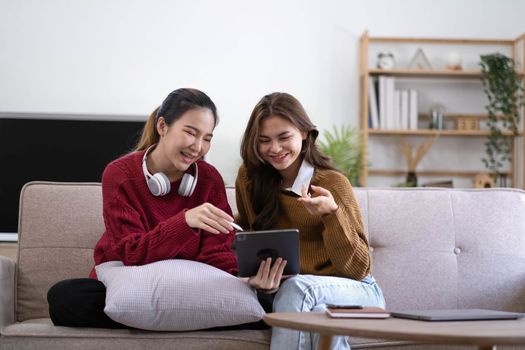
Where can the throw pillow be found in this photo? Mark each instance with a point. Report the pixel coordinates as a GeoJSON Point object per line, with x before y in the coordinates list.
{"type": "Point", "coordinates": [176, 295]}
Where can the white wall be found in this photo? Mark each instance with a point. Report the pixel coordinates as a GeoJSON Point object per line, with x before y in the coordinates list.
{"type": "Point", "coordinates": [122, 57]}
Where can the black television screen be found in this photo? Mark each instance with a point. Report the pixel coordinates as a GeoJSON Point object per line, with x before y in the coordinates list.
{"type": "Point", "coordinates": [56, 150]}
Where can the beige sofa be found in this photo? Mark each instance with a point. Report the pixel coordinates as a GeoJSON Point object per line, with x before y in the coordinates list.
{"type": "Point", "coordinates": [431, 248]}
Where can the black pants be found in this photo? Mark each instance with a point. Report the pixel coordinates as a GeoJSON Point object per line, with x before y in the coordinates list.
{"type": "Point", "coordinates": [80, 302]}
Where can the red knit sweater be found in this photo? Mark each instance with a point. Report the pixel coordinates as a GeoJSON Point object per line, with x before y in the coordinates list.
{"type": "Point", "coordinates": [142, 228]}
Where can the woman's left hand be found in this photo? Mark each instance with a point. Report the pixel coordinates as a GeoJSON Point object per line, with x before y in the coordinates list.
{"type": "Point", "coordinates": [268, 276]}
{"type": "Point", "coordinates": [322, 204]}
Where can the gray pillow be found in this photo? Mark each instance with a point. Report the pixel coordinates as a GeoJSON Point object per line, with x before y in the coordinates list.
{"type": "Point", "coordinates": [176, 295]}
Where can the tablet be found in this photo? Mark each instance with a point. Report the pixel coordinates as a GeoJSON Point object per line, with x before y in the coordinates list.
{"type": "Point", "coordinates": [253, 247]}
{"type": "Point", "coordinates": [457, 315]}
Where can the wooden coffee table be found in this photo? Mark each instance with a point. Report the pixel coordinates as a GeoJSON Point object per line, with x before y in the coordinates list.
{"type": "Point", "coordinates": [484, 334]}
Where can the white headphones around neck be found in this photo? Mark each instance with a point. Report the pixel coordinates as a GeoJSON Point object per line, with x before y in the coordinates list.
{"type": "Point", "coordinates": [159, 184]}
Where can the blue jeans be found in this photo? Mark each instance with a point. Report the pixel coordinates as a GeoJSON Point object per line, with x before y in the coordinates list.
{"type": "Point", "coordinates": [309, 293]}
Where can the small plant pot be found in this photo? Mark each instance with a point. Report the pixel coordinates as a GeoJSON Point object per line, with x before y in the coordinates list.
{"type": "Point", "coordinates": [411, 179]}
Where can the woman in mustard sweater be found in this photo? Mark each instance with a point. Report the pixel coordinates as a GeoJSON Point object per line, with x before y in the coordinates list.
{"type": "Point", "coordinates": [285, 182]}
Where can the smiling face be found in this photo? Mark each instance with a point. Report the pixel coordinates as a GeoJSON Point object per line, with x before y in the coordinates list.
{"type": "Point", "coordinates": [280, 143]}
{"type": "Point", "coordinates": [182, 143]}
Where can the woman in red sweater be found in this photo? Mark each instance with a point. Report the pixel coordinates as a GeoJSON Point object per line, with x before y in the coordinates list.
{"type": "Point", "coordinates": [161, 201]}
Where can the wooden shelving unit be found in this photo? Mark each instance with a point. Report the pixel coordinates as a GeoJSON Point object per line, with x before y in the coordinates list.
{"type": "Point", "coordinates": [428, 73]}
{"type": "Point", "coordinates": [432, 132]}
{"type": "Point", "coordinates": [517, 47]}
{"type": "Point", "coordinates": [422, 73]}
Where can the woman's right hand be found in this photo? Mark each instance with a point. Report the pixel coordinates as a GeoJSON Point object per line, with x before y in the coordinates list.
{"type": "Point", "coordinates": [209, 218]}
{"type": "Point", "coordinates": [268, 277]}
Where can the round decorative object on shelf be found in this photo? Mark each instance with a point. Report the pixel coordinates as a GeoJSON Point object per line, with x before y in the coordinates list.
{"type": "Point", "coordinates": [385, 60]}
{"type": "Point", "coordinates": [454, 61]}
{"type": "Point", "coordinates": [483, 180]}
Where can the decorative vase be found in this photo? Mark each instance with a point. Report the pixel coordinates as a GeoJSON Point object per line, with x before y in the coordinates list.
{"type": "Point", "coordinates": [411, 178]}
{"type": "Point", "coordinates": [454, 61]}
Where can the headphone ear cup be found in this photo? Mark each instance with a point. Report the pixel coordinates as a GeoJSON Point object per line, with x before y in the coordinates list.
{"type": "Point", "coordinates": [193, 185]}
{"type": "Point", "coordinates": [187, 185]}
{"type": "Point", "coordinates": [154, 186]}
{"type": "Point", "coordinates": [159, 184]}
{"type": "Point", "coordinates": [166, 186]}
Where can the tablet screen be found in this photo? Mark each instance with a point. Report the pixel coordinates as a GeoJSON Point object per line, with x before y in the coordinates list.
{"type": "Point", "coordinates": [252, 247]}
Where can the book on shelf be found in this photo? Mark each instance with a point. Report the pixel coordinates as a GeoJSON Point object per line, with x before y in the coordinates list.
{"type": "Point", "coordinates": [412, 109]}
{"type": "Point", "coordinates": [372, 99]}
{"type": "Point", "coordinates": [382, 102]}
{"type": "Point", "coordinates": [356, 312]}
{"type": "Point", "coordinates": [387, 103]}
{"type": "Point", "coordinates": [390, 100]}
{"type": "Point", "coordinates": [404, 109]}
{"type": "Point", "coordinates": [396, 109]}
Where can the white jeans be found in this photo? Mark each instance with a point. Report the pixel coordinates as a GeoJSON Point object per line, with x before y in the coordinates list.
{"type": "Point", "coordinates": [309, 293]}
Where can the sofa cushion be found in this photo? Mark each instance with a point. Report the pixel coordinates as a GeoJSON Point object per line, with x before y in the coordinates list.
{"type": "Point", "coordinates": [443, 248]}
{"type": "Point", "coordinates": [43, 335]}
{"type": "Point", "coordinates": [60, 223]}
{"type": "Point", "coordinates": [176, 295]}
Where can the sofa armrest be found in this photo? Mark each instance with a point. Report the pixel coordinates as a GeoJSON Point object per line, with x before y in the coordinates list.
{"type": "Point", "coordinates": [7, 291]}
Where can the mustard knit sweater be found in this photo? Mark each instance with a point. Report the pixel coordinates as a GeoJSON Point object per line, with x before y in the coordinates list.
{"type": "Point", "coordinates": [330, 245]}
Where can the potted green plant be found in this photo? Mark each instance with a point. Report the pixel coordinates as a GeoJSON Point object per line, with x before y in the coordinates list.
{"type": "Point", "coordinates": [504, 90]}
{"type": "Point", "coordinates": [346, 149]}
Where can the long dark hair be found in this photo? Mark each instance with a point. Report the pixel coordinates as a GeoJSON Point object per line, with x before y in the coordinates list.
{"type": "Point", "coordinates": [172, 108]}
{"type": "Point", "coordinates": [264, 181]}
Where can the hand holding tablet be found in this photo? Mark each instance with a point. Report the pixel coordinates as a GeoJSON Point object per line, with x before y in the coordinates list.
{"type": "Point", "coordinates": [269, 275]}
